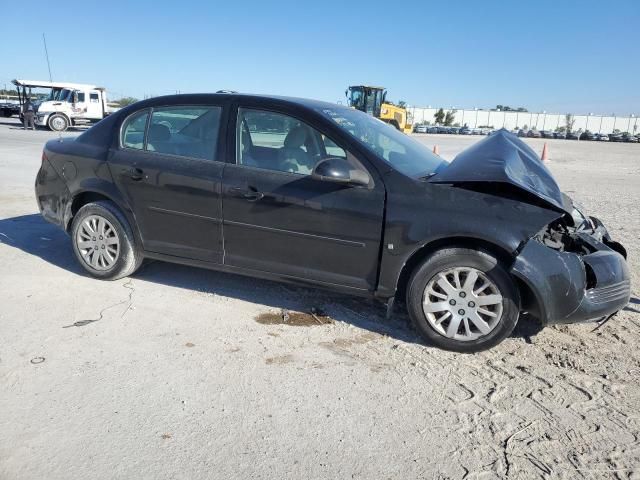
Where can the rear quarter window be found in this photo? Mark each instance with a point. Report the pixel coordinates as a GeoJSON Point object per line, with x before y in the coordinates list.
{"type": "Point", "coordinates": [133, 130]}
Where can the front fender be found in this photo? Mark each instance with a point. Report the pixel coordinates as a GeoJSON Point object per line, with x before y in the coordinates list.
{"type": "Point", "coordinates": [442, 215]}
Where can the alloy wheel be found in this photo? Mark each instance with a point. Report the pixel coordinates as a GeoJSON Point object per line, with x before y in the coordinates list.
{"type": "Point", "coordinates": [462, 304]}
{"type": "Point", "coordinates": [98, 242]}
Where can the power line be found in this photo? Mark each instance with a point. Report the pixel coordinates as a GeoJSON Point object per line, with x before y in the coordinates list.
{"type": "Point", "coordinates": [46, 52]}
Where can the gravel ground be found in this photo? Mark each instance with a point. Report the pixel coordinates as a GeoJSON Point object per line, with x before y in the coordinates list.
{"type": "Point", "coordinates": [185, 373]}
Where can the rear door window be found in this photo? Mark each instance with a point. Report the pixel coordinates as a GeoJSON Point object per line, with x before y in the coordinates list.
{"type": "Point", "coordinates": [190, 131]}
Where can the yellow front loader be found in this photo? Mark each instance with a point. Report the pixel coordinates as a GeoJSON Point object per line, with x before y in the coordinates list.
{"type": "Point", "coordinates": [372, 100]}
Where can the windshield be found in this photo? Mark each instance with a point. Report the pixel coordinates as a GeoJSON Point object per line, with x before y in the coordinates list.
{"type": "Point", "coordinates": [64, 95]}
{"type": "Point", "coordinates": [53, 94]}
{"type": "Point", "coordinates": [397, 149]}
{"type": "Point", "coordinates": [355, 97]}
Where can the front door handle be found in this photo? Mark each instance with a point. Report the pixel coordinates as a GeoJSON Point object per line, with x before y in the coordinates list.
{"type": "Point", "coordinates": [249, 194]}
{"type": "Point", "coordinates": [134, 173]}
{"type": "Point", "coordinates": [253, 196]}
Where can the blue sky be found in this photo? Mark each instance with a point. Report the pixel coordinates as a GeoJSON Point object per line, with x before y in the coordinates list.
{"type": "Point", "coordinates": [571, 56]}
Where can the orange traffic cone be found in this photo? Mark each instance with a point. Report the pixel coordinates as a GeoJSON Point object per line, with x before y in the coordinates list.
{"type": "Point", "coordinates": [436, 150]}
{"type": "Point", "coordinates": [545, 153]}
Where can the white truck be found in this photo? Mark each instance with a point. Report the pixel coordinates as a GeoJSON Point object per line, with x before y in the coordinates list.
{"type": "Point", "coordinates": [67, 105]}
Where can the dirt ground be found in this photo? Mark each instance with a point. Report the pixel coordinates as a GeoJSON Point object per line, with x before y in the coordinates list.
{"type": "Point", "coordinates": [183, 373]}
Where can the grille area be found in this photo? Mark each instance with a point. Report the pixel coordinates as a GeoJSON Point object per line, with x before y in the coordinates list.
{"type": "Point", "coordinates": [610, 293]}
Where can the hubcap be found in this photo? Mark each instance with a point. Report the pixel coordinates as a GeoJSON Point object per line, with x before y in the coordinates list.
{"type": "Point", "coordinates": [98, 242]}
{"type": "Point", "coordinates": [58, 123]}
{"type": "Point", "coordinates": [462, 304]}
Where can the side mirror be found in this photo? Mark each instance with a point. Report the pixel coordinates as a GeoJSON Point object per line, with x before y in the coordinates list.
{"type": "Point", "coordinates": [338, 170]}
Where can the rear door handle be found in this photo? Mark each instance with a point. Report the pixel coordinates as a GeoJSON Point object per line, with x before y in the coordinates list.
{"type": "Point", "coordinates": [134, 173]}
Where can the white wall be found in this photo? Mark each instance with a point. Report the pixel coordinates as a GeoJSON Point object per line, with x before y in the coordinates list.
{"type": "Point", "coordinates": [540, 120]}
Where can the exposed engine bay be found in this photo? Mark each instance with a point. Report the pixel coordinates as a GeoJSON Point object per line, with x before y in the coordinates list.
{"type": "Point", "coordinates": [576, 233]}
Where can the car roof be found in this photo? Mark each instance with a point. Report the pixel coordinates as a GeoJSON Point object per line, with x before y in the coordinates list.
{"type": "Point", "coordinates": [192, 98]}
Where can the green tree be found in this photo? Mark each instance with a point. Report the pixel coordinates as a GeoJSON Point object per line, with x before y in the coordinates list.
{"type": "Point", "coordinates": [450, 117]}
{"type": "Point", "coordinates": [8, 92]}
{"type": "Point", "coordinates": [402, 104]}
{"type": "Point", "coordinates": [569, 122]}
{"type": "Point", "coordinates": [439, 116]}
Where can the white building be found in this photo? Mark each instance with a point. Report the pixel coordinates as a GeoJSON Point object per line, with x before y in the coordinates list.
{"type": "Point", "coordinates": [539, 120]}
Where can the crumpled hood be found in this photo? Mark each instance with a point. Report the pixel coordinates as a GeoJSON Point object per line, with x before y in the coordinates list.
{"type": "Point", "coordinates": [503, 158]}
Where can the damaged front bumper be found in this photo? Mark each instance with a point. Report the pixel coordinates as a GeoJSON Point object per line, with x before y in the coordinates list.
{"type": "Point", "coordinates": [574, 287]}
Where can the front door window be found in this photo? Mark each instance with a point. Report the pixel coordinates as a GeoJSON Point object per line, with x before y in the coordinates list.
{"type": "Point", "coordinates": [279, 142]}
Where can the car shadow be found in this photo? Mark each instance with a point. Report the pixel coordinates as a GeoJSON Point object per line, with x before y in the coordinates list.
{"type": "Point", "coordinates": [633, 301]}
{"type": "Point", "coordinates": [34, 235]}
{"type": "Point", "coordinates": [10, 122]}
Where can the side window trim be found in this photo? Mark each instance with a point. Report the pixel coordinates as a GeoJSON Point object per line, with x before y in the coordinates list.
{"type": "Point", "coordinates": [145, 139]}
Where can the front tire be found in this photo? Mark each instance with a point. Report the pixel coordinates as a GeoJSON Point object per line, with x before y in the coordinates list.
{"type": "Point", "coordinates": [103, 241]}
{"type": "Point", "coordinates": [463, 300]}
{"type": "Point", "coordinates": [58, 123]}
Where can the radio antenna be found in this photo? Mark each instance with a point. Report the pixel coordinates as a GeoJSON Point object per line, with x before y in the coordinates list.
{"type": "Point", "coordinates": [47, 55]}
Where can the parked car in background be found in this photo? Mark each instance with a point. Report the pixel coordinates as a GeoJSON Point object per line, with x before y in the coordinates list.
{"type": "Point", "coordinates": [560, 135]}
{"type": "Point", "coordinates": [627, 137]}
{"type": "Point", "coordinates": [454, 130]}
{"type": "Point", "coordinates": [616, 137]}
{"type": "Point", "coordinates": [602, 137]}
{"type": "Point", "coordinates": [8, 108]}
{"type": "Point", "coordinates": [573, 135]}
{"type": "Point", "coordinates": [465, 131]}
{"type": "Point", "coordinates": [547, 134]}
{"type": "Point", "coordinates": [587, 135]}
{"type": "Point", "coordinates": [522, 133]}
{"type": "Point", "coordinates": [534, 134]}
{"type": "Point", "coordinates": [433, 130]}
{"type": "Point", "coordinates": [301, 191]}
{"type": "Point", "coordinates": [420, 129]}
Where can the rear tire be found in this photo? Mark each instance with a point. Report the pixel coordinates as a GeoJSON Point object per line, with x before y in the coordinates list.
{"type": "Point", "coordinates": [103, 241]}
{"type": "Point", "coordinates": [463, 316]}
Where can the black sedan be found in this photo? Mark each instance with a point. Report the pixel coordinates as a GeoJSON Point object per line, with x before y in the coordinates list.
{"type": "Point", "coordinates": [574, 135]}
{"type": "Point", "coordinates": [319, 194]}
{"type": "Point", "coordinates": [587, 135]}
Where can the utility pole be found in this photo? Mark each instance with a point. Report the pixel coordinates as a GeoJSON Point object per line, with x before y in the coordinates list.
{"type": "Point", "coordinates": [46, 52]}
